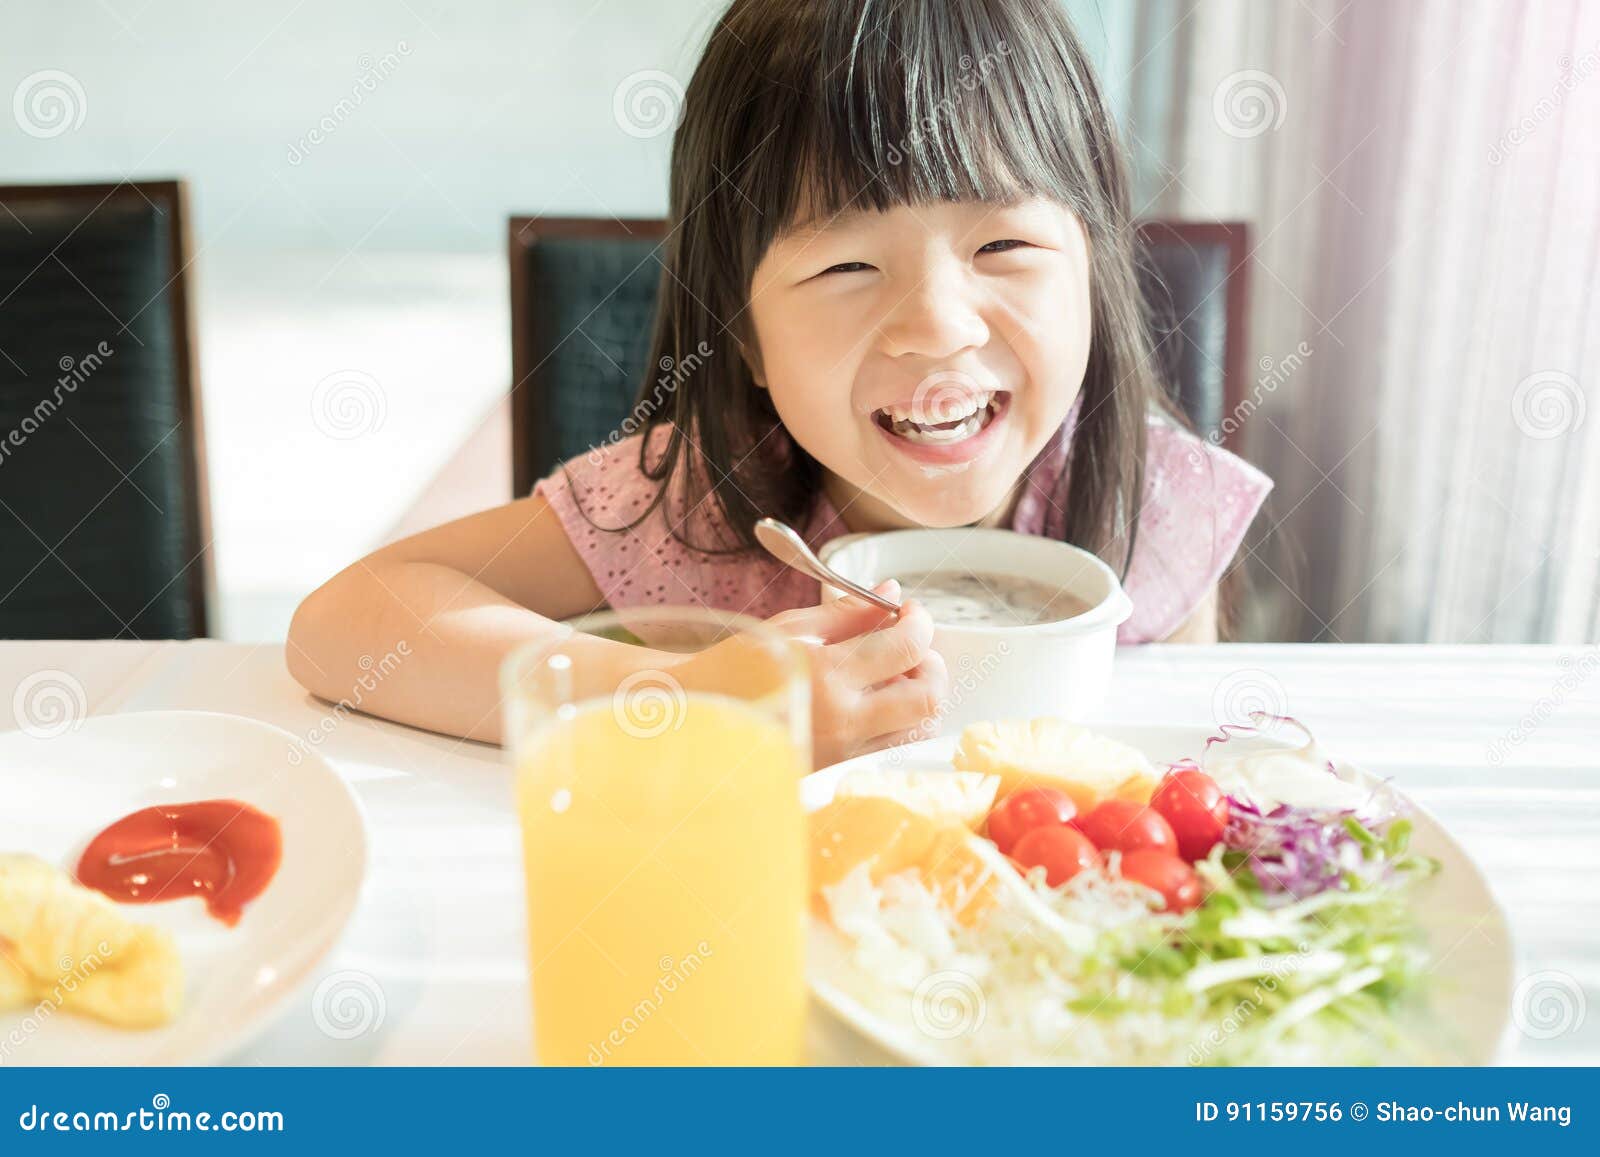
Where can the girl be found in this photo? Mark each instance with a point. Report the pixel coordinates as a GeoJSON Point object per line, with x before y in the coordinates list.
{"type": "Point", "coordinates": [900, 268]}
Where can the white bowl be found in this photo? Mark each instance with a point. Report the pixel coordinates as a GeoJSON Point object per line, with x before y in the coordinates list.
{"type": "Point", "coordinates": [1061, 668]}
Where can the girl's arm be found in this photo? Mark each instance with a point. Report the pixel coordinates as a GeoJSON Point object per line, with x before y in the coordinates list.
{"type": "Point", "coordinates": [449, 604]}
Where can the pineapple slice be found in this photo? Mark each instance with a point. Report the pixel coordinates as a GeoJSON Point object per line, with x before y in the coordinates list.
{"type": "Point", "coordinates": [954, 797]}
{"type": "Point", "coordinates": [1048, 752]}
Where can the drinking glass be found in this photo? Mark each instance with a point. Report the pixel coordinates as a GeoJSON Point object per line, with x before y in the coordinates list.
{"type": "Point", "coordinates": [663, 839]}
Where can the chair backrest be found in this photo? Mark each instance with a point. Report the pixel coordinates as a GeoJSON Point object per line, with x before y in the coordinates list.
{"type": "Point", "coordinates": [103, 518]}
{"type": "Point", "coordinates": [1195, 279]}
{"type": "Point", "coordinates": [583, 295]}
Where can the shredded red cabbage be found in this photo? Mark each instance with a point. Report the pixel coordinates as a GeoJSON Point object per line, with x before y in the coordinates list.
{"type": "Point", "coordinates": [1298, 852]}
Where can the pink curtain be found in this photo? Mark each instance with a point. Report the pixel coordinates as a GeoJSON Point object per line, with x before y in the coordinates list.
{"type": "Point", "coordinates": [1424, 183]}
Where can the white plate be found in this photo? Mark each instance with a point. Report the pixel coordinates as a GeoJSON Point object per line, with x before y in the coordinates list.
{"type": "Point", "coordinates": [57, 793]}
{"type": "Point", "coordinates": [1466, 929]}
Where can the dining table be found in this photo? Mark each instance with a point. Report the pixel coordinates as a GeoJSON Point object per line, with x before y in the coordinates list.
{"type": "Point", "coordinates": [1500, 742]}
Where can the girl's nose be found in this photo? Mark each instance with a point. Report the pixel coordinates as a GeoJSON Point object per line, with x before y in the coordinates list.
{"type": "Point", "coordinates": [933, 320]}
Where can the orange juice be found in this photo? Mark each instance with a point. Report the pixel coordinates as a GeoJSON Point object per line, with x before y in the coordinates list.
{"type": "Point", "coordinates": [666, 875]}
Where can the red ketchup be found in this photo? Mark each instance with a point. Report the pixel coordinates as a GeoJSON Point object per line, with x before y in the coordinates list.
{"type": "Point", "coordinates": [222, 850]}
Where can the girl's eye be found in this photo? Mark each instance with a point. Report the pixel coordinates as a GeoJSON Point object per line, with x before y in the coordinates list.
{"type": "Point", "coordinates": [1002, 246]}
{"type": "Point", "coordinates": [847, 267]}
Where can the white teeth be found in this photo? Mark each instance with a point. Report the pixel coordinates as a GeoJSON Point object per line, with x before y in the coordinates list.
{"type": "Point", "coordinates": [942, 435]}
{"type": "Point", "coordinates": [945, 409]}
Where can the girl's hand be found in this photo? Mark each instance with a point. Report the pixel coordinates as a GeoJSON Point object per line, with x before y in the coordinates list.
{"type": "Point", "coordinates": [875, 679]}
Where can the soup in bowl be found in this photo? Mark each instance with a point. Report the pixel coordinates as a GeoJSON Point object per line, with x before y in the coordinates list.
{"type": "Point", "coordinates": [965, 598]}
{"type": "Point", "coordinates": [1027, 625]}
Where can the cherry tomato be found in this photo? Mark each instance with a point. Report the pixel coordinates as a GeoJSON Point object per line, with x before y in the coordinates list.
{"type": "Point", "coordinates": [1120, 825]}
{"type": "Point", "coordinates": [1062, 852]}
{"type": "Point", "coordinates": [1025, 809]}
{"type": "Point", "coordinates": [1196, 808]}
{"type": "Point", "coordinates": [1176, 881]}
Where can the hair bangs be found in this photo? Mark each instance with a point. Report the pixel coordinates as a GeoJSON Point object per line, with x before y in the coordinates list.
{"type": "Point", "coordinates": [913, 103]}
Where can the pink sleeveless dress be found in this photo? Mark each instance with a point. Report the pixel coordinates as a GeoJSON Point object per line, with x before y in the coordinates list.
{"type": "Point", "coordinates": [1198, 502]}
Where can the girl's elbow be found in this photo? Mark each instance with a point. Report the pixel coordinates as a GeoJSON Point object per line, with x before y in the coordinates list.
{"type": "Point", "coordinates": [307, 649]}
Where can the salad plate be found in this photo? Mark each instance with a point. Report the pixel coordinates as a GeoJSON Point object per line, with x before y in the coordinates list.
{"type": "Point", "coordinates": [1424, 920]}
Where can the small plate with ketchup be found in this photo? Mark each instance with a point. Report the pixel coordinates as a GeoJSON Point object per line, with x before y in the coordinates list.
{"type": "Point", "coordinates": [229, 834]}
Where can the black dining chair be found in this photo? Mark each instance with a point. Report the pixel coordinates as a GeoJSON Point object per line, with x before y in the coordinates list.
{"type": "Point", "coordinates": [583, 294]}
{"type": "Point", "coordinates": [103, 519]}
{"type": "Point", "coordinates": [583, 297]}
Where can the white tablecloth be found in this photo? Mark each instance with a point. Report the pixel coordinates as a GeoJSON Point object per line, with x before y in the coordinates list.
{"type": "Point", "coordinates": [1502, 743]}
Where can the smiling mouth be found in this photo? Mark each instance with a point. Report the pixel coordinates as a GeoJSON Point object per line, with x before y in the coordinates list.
{"type": "Point", "coordinates": [961, 420]}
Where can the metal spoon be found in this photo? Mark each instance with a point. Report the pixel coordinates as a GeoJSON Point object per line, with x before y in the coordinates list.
{"type": "Point", "coordinates": [783, 544]}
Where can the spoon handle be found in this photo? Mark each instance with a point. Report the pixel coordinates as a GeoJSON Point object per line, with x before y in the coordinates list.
{"type": "Point", "coordinates": [784, 544]}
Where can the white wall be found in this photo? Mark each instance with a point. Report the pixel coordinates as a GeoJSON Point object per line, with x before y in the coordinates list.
{"type": "Point", "coordinates": [491, 107]}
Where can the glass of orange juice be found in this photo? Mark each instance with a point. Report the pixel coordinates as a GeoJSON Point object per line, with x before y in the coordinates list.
{"type": "Point", "coordinates": [663, 839]}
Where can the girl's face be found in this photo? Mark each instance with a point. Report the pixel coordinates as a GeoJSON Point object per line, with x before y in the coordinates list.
{"type": "Point", "coordinates": [924, 355]}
